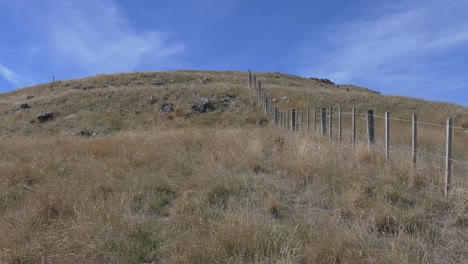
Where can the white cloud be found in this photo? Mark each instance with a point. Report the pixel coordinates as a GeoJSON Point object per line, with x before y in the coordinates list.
{"type": "Point", "coordinates": [388, 45]}
{"type": "Point", "coordinates": [10, 76]}
{"type": "Point", "coordinates": [96, 36]}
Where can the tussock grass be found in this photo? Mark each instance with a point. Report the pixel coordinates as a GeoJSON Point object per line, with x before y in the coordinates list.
{"type": "Point", "coordinates": [220, 187]}
{"type": "Point", "coordinates": [220, 195]}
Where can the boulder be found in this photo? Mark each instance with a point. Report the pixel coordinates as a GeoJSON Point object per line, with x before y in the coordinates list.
{"type": "Point", "coordinates": [166, 108]}
{"type": "Point", "coordinates": [30, 97]}
{"type": "Point", "coordinates": [25, 106]}
{"type": "Point", "coordinates": [285, 99]}
{"type": "Point", "coordinates": [45, 116]}
{"type": "Point", "coordinates": [205, 80]}
{"type": "Point", "coordinates": [157, 82]}
{"type": "Point", "coordinates": [326, 81]}
{"type": "Point", "coordinates": [203, 106]}
{"type": "Point", "coordinates": [152, 99]}
{"type": "Point", "coordinates": [228, 99]}
{"type": "Point", "coordinates": [86, 133]}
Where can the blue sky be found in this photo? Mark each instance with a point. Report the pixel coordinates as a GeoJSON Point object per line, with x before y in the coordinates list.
{"type": "Point", "coordinates": [412, 48]}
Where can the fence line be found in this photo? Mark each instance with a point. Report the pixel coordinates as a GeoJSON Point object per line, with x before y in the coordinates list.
{"type": "Point", "coordinates": [293, 120]}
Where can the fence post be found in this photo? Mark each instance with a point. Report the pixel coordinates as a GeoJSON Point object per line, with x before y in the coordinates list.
{"type": "Point", "coordinates": [315, 119]}
{"type": "Point", "coordinates": [298, 119]}
{"type": "Point", "coordinates": [276, 116]}
{"type": "Point", "coordinates": [282, 118]}
{"type": "Point", "coordinates": [354, 128]}
{"type": "Point", "coordinates": [331, 122]}
{"type": "Point", "coordinates": [256, 86]}
{"type": "Point", "coordinates": [308, 120]}
{"type": "Point", "coordinates": [324, 121]}
{"type": "Point", "coordinates": [387, 135]}
{"type": "Point", "coordinates": [302, 118]}
{"type": "Point", "coordinates": [272, 112]}
{"type": "Point", "coordinates": [250, 79]}
{"type": "Point", "coordinates": [448, 159]}
{"type": "Point", "coordinates": [259, 87]}
{"type": "Point", "coordinates": [370, 127]}
{"type": "Point", "coordinates": [294, 120]}
{"type": "Point", "coordinates": [288, 121]}
{"type": "Point", "coordinates": [339, 125]}
{"type": "Point", "coordinates": [414, 141]}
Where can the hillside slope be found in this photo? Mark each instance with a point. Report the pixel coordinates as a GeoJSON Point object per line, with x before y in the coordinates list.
{"type": "Point", "coordinates": [216, 186]}
{"type": "Point", "coordinates": [109, 103]}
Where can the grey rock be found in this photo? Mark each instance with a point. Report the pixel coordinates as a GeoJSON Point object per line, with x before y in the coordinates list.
{"type": "Point", "coordinates": [285, 99]}
{"type": "Point", "coordinates": [152, 99]}
{"type": "Point", "coordinates": [157, 82]}
{"type": "Point", "coordinates": [166, 108]}
{"type": "Point", "coordinates": [273, 100]}
{"type": "Point", "coordinates": [86, 133]}
{"type": "Point", "coordinates": [45, 116]}
{"type": "Point", "coordinates": [25, 106]}
{"type": "Point", "coordinates": [205, 80]}
{"type": "Point", "coordinates": [88, 88]}
{"type": "Point", "coordinates": [326, 81]}
{"type": "Point", "coordinates": [30, 97]}
{"type": "Point", "coordinates": [228, 99]}
{"type": "Point", "coordinates": [203, 106]}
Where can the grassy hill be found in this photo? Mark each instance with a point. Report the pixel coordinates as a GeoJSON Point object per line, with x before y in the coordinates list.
{"type": "Point", "coordinates": [220, 186]}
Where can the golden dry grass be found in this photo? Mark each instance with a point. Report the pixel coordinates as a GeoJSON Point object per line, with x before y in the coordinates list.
{"type": "Point", "coordinates": [220, 195]}
{"type": "Point", "coordinates": [221, 187]}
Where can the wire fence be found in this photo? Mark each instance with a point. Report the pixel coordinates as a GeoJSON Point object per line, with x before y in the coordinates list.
{"type": "Point", "coordinates": [443, 147]}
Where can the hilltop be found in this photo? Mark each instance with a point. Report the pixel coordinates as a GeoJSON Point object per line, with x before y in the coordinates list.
{"type": "Point", "coordinates": [110, 103]}
{"type": "Point", "coordinates": [184, 167]}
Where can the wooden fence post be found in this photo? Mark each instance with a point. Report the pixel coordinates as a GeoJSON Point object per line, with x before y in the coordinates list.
{"type": "Point", "coordinates": [281, 119]}
{"type": "Point", "coordinates": [250, 79]}
{"type": "Point", "coordinates": [298, 120]}
{"type": "Point", "coordinates": [387, 135]}
{"type": "Point", "coordinates": [370, 127]}
{"type": "Point", "coordinates": [324, 121]}
{"type": "Point", "coordinates": [448, 159]}
{"type": "Point", "coordinates": [339, 125]}
{"type": "Point", "coordinates": [414, 141]}
{"type": "Point", "coordinates": [315, 119]}
{"type": "Point", "coordinates": [331, 122]}
{"type": "Point", "coordinates": [276, 116]}
{"type": "Point", "coordinates": [308, 120]}
{"type": "Point", "coordinates": [294, 120]}
{"type": "Point", "coordinates": [302, 118]}
{"type": "Point", "coordinates": [354, 128]}
{"type": "Point", "coordinates": [257, 89]}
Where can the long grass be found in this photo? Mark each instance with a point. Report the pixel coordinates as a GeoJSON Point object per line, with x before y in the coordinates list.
{"type": "Point", "coordinates": [220, 195]}
{"type": "Point", "coordinates": [220, 187]}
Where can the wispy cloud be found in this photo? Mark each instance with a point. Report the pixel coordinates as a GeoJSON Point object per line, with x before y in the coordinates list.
{"type": "Point", "coordinates": [96, 36]}
{"type": "Point", "coordinates": [410, 43]}
{"type": "Point", "coordinates": [11, 76]}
